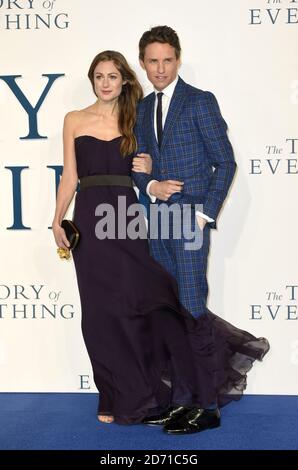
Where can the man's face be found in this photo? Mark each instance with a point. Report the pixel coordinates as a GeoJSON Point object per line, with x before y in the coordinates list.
{"type": "Point", "coordinates": [161, 64]}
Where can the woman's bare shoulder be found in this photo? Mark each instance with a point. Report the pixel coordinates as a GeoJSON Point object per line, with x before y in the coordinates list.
{"type": "Point", "coordinates": [73, 119]}
{"type": "Point", "coordinates": [73, 115]}
{"type": "Point", "coordinates": [78, 114]}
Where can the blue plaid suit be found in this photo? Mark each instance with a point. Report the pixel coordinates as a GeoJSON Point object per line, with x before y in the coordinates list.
{"type": "Point", "coordinates": [195, 149]}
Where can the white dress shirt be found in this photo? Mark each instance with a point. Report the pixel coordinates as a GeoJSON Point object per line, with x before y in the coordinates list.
{"type": "Point", "coordinates": [166, 100]}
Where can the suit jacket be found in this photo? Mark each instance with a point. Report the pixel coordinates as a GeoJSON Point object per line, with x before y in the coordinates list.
{"type": "Point", "coordinates": [195, 148]}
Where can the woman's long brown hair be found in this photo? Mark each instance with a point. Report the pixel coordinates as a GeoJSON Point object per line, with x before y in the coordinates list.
{"type": "Point", "coordinates": [127, 101]}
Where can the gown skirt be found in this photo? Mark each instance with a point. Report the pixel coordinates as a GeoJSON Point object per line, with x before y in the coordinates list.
{"type": "Point", "coordinates": [146, 350]}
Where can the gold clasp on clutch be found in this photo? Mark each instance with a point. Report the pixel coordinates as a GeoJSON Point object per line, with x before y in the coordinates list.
{"type": "Point", "coordinates": [64, 253]}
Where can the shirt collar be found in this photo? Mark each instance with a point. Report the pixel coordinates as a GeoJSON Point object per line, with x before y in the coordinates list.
{"type": "Point", "coordinates": [169, 90]}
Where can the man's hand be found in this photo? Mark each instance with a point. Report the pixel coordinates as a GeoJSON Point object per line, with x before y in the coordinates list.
{"type": "Point", "coordinates": [142, 163]}
{"type": "Point", "coordinates": [164, 189]}
{"type": "Point", "coordinates": [201, 222]}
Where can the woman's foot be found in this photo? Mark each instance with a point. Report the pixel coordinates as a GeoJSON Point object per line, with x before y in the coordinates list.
{"type": "Point", "coordinates": [105, 418]}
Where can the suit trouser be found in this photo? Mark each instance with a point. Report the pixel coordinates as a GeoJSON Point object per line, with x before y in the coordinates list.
{"type": "Point", "coordinates": [184, 258]}
{"type": "Point", "coordinates": [188, 267]}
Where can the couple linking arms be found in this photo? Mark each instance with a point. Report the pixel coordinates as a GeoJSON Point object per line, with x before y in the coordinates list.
{"type": "Point", "coordinates": [158, 355]}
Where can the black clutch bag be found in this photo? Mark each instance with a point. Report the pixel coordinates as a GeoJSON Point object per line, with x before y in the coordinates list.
{"type": "Point", "coordinates": [71, 232]}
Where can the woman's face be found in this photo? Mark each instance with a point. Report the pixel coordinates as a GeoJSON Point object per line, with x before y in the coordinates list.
{"type": "Point", "coordinates": [108, 81]}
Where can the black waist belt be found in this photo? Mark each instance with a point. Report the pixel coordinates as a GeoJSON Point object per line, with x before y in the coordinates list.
{"type": "Point", "coordinates": [105, 180]}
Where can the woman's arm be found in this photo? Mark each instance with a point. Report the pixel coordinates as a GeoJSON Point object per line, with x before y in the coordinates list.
{"type": "Point", "coordinates": [69, 179]}
{"type": "Point", "coordinates": [142, 163]}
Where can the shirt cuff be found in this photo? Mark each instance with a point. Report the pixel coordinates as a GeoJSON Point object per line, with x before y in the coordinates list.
{"type": "Point", "coordinates": [153, 198]}
{"type": "Point", "coordinates": [200, 214]}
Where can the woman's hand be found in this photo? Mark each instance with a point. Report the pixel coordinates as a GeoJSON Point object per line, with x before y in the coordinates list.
{"type": "Point", "coordinates": [60, 237]}
{"type": "Point", "coordinates": [142, 163]}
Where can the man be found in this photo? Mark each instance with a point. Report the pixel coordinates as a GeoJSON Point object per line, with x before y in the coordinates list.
{"type": "Point", "coordinates": [181, 127]}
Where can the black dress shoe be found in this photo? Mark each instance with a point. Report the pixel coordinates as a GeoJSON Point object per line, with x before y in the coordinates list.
{"type": "Point", "coordinates": [174, 412]}
{"type": "Point", "coordinates": [196, 420]}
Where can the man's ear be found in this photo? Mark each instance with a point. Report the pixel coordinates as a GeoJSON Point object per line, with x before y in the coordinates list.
{"type": "Point", "coordinates": [142, 63]}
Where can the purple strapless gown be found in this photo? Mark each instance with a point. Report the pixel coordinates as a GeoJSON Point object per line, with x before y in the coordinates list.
{"type": "Point", "coordinates": [146, 349]}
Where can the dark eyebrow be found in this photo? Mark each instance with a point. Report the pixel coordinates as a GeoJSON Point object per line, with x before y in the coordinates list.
{"type": "Point", "coordinates": [166, 58]}
{"type": "Point", "coordinates": [111, 73]}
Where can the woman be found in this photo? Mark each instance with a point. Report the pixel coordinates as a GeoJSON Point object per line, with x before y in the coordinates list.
{"type": "Point", "coordinates": [135, 330]}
